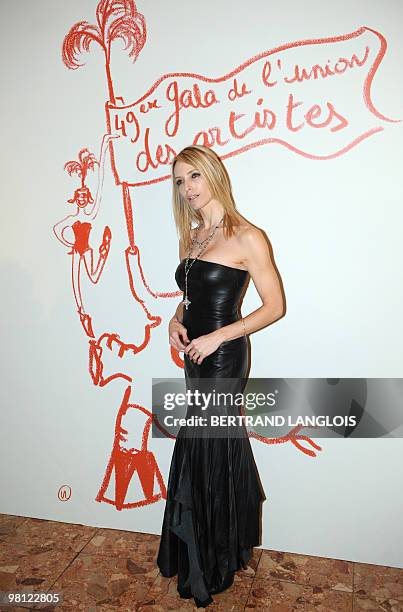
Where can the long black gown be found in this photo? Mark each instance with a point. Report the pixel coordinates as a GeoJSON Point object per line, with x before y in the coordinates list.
{"type": "Point", "coordinates": [212, 513]}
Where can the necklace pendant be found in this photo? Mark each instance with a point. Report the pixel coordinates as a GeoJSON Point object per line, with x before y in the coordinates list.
{"type": "Point", "coordinates": [186, 302]}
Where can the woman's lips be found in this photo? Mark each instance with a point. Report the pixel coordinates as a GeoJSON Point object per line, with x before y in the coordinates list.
{"type": "Point", "coordinates": [191, 198]}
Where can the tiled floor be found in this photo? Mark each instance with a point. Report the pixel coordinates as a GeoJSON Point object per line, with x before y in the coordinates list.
{"type": "Point", "coordinates": [103, 569]}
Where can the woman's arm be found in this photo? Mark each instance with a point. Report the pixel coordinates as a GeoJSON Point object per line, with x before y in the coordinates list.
{"type": "Point", "coordinates": [178, 337]}
{"type": "Point", "coordinates": [256, 257]}
{"type": "Point", "coordinates": [178, 316]}
{"type": "Point", "coordinates": [258, 262]}
{"type": "Point", "coordinates": [179, 309]}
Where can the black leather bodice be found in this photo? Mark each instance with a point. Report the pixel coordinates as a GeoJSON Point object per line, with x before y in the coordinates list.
{"type": "Point", "coordinates": [214, 291]}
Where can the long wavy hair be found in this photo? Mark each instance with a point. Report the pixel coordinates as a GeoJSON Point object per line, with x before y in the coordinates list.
{"type": "Point", "coordinates": [209, 164]}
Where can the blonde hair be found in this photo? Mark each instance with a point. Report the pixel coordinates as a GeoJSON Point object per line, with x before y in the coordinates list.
{"type": "Point", "coordinates": [209, 164]}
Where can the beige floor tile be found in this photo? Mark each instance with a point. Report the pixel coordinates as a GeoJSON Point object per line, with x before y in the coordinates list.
{"type": "Point", "coordinates": [25, 568]}
{"type": "Point", "coordinates": [306, 570]}
{"type": "Point", "coordinates": [9, 524]}
{"type": "Point", "coordinates": [376, 585]}
{"type": "Point", "coordinates": [376, 604]}
{"type": "Point", "coordinates": [107, 583]}
{"type": "Point", "coordinates": [283, 596]}
{"type": "Point", "coordinates": [64, 536]}
{"type": "Point", "coordinates": [117, 542]}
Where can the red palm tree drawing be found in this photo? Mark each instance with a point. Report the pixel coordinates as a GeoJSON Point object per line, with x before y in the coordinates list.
{"type": "Point", "coordinates": [86, 162]}
{"type": "Point", "coordinates": [115, 19]}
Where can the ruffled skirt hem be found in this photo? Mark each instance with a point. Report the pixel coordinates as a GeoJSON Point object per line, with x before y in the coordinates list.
{"type": "Point", "coordinates": [211, 523]}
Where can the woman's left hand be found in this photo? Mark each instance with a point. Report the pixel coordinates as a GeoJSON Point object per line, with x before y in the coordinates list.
{"type": "Point", "coordinates": [201, 347]}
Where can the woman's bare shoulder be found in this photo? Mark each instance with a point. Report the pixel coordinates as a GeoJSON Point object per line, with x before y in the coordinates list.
{"type": "Point", "coordinates": [247, 231]}
{"type": "Point", "coordinates": [252, 240]}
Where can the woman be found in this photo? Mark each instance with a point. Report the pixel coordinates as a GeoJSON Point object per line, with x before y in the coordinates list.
{"type": "Point", "coordinates": [211, 519]}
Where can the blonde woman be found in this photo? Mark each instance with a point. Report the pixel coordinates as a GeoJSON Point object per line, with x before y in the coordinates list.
{"type": "Point", "coordinates": [212, 514]}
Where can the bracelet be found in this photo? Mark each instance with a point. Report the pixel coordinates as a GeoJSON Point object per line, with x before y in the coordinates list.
{"type": "Point", "coordinates": [243, 323]}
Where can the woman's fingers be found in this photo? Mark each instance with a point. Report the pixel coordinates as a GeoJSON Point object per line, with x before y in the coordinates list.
{"type": "Point", "coordinates": [176, 341]}
{"type": "Point", "coordinates": [195, 355]}
{"type": "Point", "coordinates": [184, 336]}
{"type": "Point", "coordinates": [178, 337]}
{"type": "Point", "coordinates": [173, 343]}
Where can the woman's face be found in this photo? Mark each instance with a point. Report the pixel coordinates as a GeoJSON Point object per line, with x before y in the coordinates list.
{"type": "Point", "coordinates": [192, 185]}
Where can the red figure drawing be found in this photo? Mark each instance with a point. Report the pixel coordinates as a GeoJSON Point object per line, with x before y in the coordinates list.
{"type": "Point", "coordinates": [115, 19]}
{"type": "Point", "coordinates": [123, 462]}
{"type": "Point", "coordinates": [268, 99]}
{"type": "Point", "coordinates": [80, 224]}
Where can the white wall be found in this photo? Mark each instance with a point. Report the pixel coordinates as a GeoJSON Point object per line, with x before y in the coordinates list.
{"type": "Point", "coordinates": [335, 227]}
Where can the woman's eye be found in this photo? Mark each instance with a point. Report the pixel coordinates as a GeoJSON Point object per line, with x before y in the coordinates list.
{"type": "Point", "coordinates": [194, 175]}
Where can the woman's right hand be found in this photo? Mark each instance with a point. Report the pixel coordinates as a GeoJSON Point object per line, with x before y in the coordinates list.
{"type": "Point", "coordinates": [178, 336]}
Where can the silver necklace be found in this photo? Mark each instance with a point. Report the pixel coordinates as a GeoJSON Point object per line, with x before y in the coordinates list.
{"type": "Point", "coordinates": [202, 246]}
{"type": "Point", "coordinates": [195, 241]}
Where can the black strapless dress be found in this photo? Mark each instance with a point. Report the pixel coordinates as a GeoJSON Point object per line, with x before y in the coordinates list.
{"type": "Point", "coordinates": [212, 513]}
